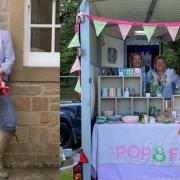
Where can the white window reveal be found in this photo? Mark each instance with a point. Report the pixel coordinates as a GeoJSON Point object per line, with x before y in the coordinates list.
{"type": "Point", "coordinates": [42, 33]}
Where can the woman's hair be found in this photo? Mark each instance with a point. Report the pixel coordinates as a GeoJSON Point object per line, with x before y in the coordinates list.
{"type": "Point", "coordinates": [132, 57]}
{"type": "Point", "coordinates": [157, 58]}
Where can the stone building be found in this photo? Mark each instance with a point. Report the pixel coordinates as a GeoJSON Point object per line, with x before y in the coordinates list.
{"type": "Point", "coordinates": [34, 82]}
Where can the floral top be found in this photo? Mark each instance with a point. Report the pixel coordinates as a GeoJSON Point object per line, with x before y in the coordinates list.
{"type": "Point", "coordinates": [167, 84]}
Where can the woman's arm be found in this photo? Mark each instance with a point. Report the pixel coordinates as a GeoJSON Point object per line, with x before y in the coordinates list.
{"type": "Point", "coordinates": [174, 77]}
{"type": "Point", "coordinates": [9, 57]}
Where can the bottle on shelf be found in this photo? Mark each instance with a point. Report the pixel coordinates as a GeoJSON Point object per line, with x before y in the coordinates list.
{"type": "Point", "coordinates": [126, 93]}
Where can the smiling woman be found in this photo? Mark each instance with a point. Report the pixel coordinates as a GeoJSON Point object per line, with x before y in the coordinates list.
{"type": "Point", "coordinates": [166, 79]}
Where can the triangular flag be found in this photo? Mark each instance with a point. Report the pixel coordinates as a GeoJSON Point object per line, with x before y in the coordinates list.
{"type": "Point", "coordinates": [76, 66]}
{"type": "Point", "coordinates": [99, 26]}
{"type": "Point", "coordinates": [124, 28]}
{"type": "Point", "coordinates": [78, 87]}
{"type": "Point", "coordinates": [173, 30]}
{"type": "Point", "coordinates": [149, 31]}
{"type": "Point", "coordinates": [74, 42]}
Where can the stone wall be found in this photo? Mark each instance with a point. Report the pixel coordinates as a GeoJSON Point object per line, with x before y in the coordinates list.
{"type": "Point", "coordinates": [37, 107]}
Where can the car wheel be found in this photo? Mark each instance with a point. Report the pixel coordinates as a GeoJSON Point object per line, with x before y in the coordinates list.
{"type": "Point", "coordinates": [66, 136]}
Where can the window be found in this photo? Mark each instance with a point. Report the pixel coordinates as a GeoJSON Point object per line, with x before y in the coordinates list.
{"type": "Point", "coordinates": [42, 33]}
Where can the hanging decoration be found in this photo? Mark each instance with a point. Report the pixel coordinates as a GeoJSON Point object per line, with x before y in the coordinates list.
{"type": "Point", "coordinates": [76, 66]}
{"type": "Point", "coordinates": [75, 41]}
{"type": "Point", "coordinates": [149, 31]}
{"type": "Point", "coordinates": [124, 28]}
{"type": "Point", "coordinates": [78, 87]}
{"type": "Point", "coordinates": [99, 26]}
{"type": "Point", "coordinates": [173, 30]}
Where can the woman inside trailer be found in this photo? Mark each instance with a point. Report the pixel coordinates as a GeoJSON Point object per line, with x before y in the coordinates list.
{"type": "Point", "coordinates": [136, 61]}
{"type": "Point", "coordinates": [161, 79]}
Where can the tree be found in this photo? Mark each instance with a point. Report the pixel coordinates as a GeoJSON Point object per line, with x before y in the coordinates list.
{"type": "Point", "coordinates": [68, 9]}
{"type": "Point", "coordinates": [171, 51]}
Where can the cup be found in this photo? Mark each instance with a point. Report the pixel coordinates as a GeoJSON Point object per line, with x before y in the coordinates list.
{"type": "Point", "coordinates": [119, 92]}
{"type": "Point", "coordinates": [105, 92]}
{"type": "Point", "coordinates": [112, 92]}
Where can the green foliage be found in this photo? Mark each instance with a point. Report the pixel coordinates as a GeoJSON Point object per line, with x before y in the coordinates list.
{"type": "Point", "coordinates": [68, 9]}
{"type": "Point", "coordinates": [171, 52]}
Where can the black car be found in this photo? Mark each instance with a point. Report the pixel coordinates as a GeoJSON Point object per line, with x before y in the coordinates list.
{"type": "Point", "coordinates": [70, 123]}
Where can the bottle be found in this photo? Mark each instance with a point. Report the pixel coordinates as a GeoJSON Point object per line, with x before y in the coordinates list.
{"type": "Point", "coordinates": [126, 93]}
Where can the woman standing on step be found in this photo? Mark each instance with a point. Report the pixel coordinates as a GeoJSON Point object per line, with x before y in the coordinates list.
{"type": "Point", "coordinates": [7, 111]}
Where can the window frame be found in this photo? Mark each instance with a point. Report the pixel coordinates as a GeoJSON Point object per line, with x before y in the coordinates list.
{"type": "Point", "coordinates": [39, 59]}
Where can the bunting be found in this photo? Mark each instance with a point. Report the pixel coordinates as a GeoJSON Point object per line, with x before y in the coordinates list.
{"type": "Point", "coordinates": [78, 87]}
{"type": "Point", "coordinates": [99, 26]}
{"type": "Point", "coordinates": [76, 66]}
{"type": "Point", "coordinates": [75, 41]}
{"type": "Point", "coordinates": [173, 30]}
{"type": "Point", "coordinates": [149, 31]}
{"type": "Point", "coordinates": [124, 28]}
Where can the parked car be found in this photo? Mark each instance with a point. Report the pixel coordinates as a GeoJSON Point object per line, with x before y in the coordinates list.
{"type": "Point", "coordinates": [70, 123]}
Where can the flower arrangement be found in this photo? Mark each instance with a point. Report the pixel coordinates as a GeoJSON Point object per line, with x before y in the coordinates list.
{"type": "Point", "coordinates": [4, 90]}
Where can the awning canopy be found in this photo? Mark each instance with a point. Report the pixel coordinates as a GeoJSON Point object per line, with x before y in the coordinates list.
{"type": "Point", "coordinates": [137, 10]}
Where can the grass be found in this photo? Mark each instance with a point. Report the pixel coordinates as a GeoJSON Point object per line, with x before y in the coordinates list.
{"type": "Point", "coordinates": [66, 174]}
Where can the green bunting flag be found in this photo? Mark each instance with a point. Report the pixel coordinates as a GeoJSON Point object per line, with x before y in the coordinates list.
{"type": "Point", "coordinates": [74, 42]}
{"type": "Point", "coordinates": [78, 87]}
{"type": "Point", "coordinates": [149, 31]}
{"type": "Point", "coordinates": [99, 26]}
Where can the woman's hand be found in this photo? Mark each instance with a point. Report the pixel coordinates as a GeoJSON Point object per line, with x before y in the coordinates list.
{"type": "Point", "coordinates": [1, 72]}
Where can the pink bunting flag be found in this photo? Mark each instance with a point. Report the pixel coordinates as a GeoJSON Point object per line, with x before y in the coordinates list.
{"type": "Point", "coordinates": [76, 66]}
{"type": "Point", "coordinates": [124, 28]}
{"type": "Point", "coordinates": [173, 30]}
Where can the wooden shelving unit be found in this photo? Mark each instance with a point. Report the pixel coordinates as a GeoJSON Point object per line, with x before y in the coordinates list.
{"type": "Point", "coordinates": [126, 105]}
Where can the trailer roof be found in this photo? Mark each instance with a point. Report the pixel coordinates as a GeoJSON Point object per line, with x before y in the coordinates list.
{"type": "Point", "coordinates": [137, 10]}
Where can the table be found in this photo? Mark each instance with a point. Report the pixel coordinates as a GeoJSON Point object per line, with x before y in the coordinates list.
{"type": "Point", "coordinates": [136, 151]}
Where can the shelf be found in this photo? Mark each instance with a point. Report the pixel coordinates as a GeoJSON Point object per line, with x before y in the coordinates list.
{"type": "Point", "coordinates": [119, 76]}
{"type": "Point", "coordinates": [133, 82]}
{"type": "Point", "coordinates": [124, 105]}
{"type": "Point", "coordinates": [107, 105]}
{"type": "Point", "coordinates": [111, 76]}
{"type": "Point", "coordinates": [109, 83]}
{"type": "Point", "coordinates": [127, 105]}
{"type": "Point", "coordinates": [140, 105]}
{"type": "Point", "coordinates": [176, 102]}
{"type": "Point", "coordinates": [158, 103]}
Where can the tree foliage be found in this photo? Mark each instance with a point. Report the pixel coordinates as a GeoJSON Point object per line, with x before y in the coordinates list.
{"type": "Point", "coordinates": [68, 9]}
{"type": "Point", "coordinates": [171, 51]}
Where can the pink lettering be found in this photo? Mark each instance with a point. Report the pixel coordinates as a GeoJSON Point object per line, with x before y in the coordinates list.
{"type": "Point", "coordinates": [145, 152]}
{"type": "Point", "coordinates": [172, 153]}
{"type": "Point", "coordinates": [120, 150]}
{"type": "Point", "coordinates": [133, 148]}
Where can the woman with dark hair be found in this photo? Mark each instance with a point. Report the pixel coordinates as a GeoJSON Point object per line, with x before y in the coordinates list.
{"type": "Point", "coordinates": [166, 79]}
